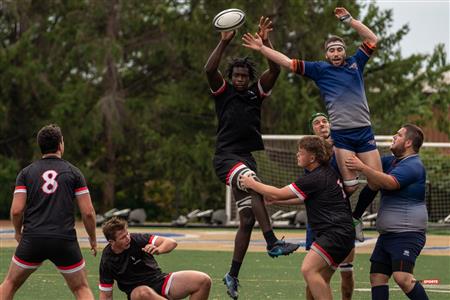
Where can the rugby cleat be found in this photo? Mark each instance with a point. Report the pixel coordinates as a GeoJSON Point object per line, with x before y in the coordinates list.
{"type": "Point", "coordinates": [281, 247]}
{"type": "Point", "coordinates": [232, 284]}
{"type": "Point", "coordinates": [359, 235]}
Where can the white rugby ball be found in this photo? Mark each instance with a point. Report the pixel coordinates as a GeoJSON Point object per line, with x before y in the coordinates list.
{"type": "Point", "coordinates": [229, 19]}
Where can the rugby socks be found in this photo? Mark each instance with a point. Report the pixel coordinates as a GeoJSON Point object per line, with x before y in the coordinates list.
{"type": "Point", "coordinates": [417, 293]}
{"type": "Point", "coordinates": [235, 268]}
{"type": "Point", "coordinates": [365, 198]}
{"type": "Point", "coordinates": [380, 292]}
{"type": "Point", "coordinates": [270, 238]}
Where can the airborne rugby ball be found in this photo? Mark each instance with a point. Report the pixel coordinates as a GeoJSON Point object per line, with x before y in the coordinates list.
{"type": "Point", "coordinates": [229, 19]}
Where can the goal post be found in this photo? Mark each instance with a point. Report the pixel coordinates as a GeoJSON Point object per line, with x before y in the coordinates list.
{"type": "Point", "coordinates": [277, 165]}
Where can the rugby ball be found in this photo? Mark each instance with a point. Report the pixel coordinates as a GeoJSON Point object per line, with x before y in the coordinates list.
{"type": "Point", "coordinates": [229, 19]}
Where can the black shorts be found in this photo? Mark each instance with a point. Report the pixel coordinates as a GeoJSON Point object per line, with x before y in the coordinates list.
{"type": "Point", "coordinates": [228, 167]}
{"type": "Point", "coordinates": [161, 285]}
{"type": "Point", "coordinates": [64, 254]}
{"type": "Point", "coordinates": [334, 246]}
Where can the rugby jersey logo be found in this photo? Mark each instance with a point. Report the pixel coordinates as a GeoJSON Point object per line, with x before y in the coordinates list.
{"type": "Point", "coordinates": [252, 95]}
{"type": "Point", "coordinates": [353, 66]}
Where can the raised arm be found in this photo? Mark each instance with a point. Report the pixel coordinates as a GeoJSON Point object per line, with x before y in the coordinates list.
{"type": "Point", "coordinates": [364, 32]}
{"type": "Point", "coordinates": [88, 216]}
{"type": "Point", "coordinates": [269, 76]}
{"type": "Point", "coordinates": [255, 42]}
{"type": "Point", "coordinates": [211, 68]}
{"type": "Point", "coordinates": [162, 245]}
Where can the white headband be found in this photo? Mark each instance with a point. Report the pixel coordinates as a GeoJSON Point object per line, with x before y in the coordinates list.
{"type": "Point", "coordinates": [336, 43]}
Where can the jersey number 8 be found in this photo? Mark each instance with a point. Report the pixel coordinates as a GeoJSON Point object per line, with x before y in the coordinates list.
{"type": "Point", "coordinates": [50, 185]}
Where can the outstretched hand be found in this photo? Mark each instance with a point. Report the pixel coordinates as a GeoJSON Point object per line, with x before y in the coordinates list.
{"type": "Point", "coordinates": [227, 35]}
{"type": "Point", "coordinates": [252, 41]}
{"type": "Point", "coordinates": [340, 12]}
{"type": "Point", "coordinates": [265, 26]}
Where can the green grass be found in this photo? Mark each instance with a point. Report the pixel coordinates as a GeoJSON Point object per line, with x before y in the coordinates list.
{"type": "Point", "coordinates": [261, 277]}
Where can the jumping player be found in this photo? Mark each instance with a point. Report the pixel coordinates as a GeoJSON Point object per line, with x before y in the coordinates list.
{"type": "Point", "coordinates": [340, 81]}
{"type": "Point", "coordinates": [42, 213]}
{"type": "Point", "coordinates": [238, 109]}
{"type": "Point", "coordinates": [129, 259]}
{"type": "Point", "coordinates": [402, 216]}
{"type": "Point", "coordinates": [327, 208]}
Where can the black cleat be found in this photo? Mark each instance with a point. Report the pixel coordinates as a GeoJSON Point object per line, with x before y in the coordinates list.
{"type": "Point", "coordinates": [281, 248]}
{"type": "Point", "coordinates": [232, 284]}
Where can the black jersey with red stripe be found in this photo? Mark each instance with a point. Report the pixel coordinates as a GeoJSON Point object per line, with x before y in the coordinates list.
{"type": "Point", "coordinates": [239, 118]}
{"type": "Point", "coordinates": [130, 268]}
{"type": "Point", "coordinates": [51, 185]}
{"type": "Point", "coordinates": [327, 207]}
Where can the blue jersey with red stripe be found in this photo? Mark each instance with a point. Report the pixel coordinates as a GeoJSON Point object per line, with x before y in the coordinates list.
{"type": "Point", "coordinates": [403, 209]}
{"type": "Point", "coordinates": [341, 88]}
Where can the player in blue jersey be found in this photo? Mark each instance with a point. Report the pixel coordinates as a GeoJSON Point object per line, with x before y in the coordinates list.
{"type": "Point", "coordinates": [42, 212]}
{"type": "Point", "coordinates": [402, 217]}
{"type": "Point", "coordinates": [341, 85]}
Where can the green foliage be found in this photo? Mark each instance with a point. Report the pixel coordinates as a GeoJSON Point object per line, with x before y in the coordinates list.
{"type": "Point", "coordinates": [127, 86]}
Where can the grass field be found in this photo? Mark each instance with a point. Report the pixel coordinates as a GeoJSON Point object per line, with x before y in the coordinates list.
{"type": "Point", "coordinates": [261, 277]}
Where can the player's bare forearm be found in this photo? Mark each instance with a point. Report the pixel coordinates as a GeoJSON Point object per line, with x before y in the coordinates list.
{"type": "Point", "coordinates": [215, 79]}
{"type": "Point", "coordinates": [292, 201]}
{"type": "Point", "coordinates": [273, 67]}
{"type": "Point", "coordinates": [379, 179]}
{"type": "Point", "coordinates": [105, 295]}
{"type": "Point", "coordinates": [89, 224]}
{"type": "Point", "coordinates": [17, 221]}
{"type": "Point", "coordinates": [270, 191]}
{"type": "Point", "coordinates": [364, 32]}
{"type": "Point", "coordinates": [276, 57]}
{"type": "Point", "coordinates": [165, 245]}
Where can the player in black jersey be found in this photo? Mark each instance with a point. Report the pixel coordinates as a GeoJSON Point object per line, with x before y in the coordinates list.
{"type": "Point", "coordinates": [42, 213]}
{"type": "Point", "coordinates": [238, 109]}
{"type": "Point", "coordinates": [327, 208]}
{"type": "Point", "coordinates": [129, 260]}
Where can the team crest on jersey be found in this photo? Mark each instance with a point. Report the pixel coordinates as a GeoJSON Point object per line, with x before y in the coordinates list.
{"type": "Point", "coordinates": [406, 252]}
{"type": "Point", "coordinates": [252, 95]}
{"type": "Point", "coordinates": [353, 66]}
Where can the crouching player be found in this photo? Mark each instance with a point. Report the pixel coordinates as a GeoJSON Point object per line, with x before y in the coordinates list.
{"type": "Point", "coordinates": [327, 208]}
{"type": "Point", "coordinates": [129, 259]}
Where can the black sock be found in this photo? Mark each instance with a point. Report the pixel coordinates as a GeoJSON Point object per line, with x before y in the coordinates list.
{"type": "Point", "coordinates": [235, 267]}
{"type": "Point", "coordinates": [417, 293]}
{"type": "Point", "coordinates": [270, 237]}
{"type": "Point", "coordinates": [380, 292]}
{"type": "Point", "coordinates": [365, 198]}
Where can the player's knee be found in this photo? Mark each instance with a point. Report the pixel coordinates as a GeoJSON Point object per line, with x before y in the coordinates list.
{"type": "Point", "coordinates": [142, 292]}
{"type": "Point", "coordinates": [247, 224]}
{"type": "Point", "coordinates": [205, 281]}
{"type": "Point", "coordinates": [404, 280]}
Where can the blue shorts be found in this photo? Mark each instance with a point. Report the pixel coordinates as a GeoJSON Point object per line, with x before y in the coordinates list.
{"type": "Point", "coordinates": [309, 237]}
{"type": "Point", "coordinates": [394, 248]}
{"type": "Point", "coordinates": [358, 140]}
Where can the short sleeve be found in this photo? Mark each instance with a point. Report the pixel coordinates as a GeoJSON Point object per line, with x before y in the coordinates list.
{"type": "Point", "coordinates": [20, 183]}
{"type": "Point", "coordinates": [310, 69]}
{"type": "Point", "coordinates": [406, 173]}
{"type": "Point", "coordinates": [220, 90]}
{"type": "Point", "coordinates": [144, 239]}
{"type": "Point", "coordinates": [304, 186]}
{"type": "Point", "coordinates": [363, 54]}
{"type": "Point", "coordinates": [106, 278]}
{"type": "Point", "coordinates": [80, 184]}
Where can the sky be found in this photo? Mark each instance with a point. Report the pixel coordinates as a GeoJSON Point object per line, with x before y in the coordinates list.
{"type": "Point", "coordinates": [429, 23]}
